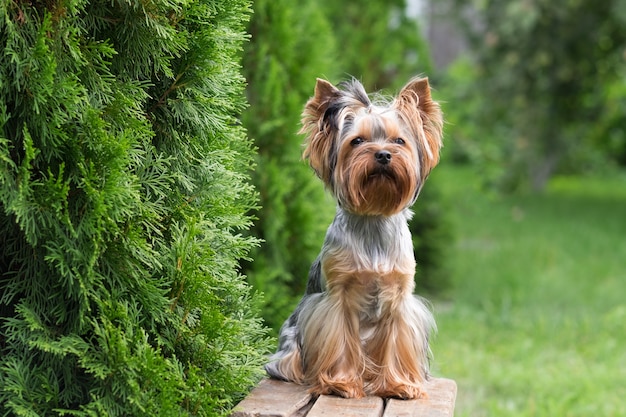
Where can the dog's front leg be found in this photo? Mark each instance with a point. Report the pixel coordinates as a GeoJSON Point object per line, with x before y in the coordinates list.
{"type": "Point", "coordinates": [398, 347]}
{"type": "Point", "coordinates": [333, 359]}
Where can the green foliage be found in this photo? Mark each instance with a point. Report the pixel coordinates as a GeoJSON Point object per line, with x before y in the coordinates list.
{"type": "Point", "coordinates": [123, 193]}
{"type": "Point", "coordinates": [540, 68]}
{"type": "Point", "coordinates": [608, 134]}
{"type": "Point", "coordinates": [432, 235]}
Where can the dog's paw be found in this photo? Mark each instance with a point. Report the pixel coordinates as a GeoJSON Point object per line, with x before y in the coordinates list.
{"type": "Point", "coordinates": [404, 392]}
{"type": "Point", "coordinates": [345, 389]}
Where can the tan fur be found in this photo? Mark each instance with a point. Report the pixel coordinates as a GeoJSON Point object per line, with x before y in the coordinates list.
{"type": "Point", "coordinates": [397, 347]}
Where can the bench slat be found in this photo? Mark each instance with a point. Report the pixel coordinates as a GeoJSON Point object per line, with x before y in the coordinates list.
{"type": "Point", "coordinates": [439, 403]}
{"type": "Point", "coordinates": [272, 398]}
{"type": "Point", "coordinates": [331, 406]}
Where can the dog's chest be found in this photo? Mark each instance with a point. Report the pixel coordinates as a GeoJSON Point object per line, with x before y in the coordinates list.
{"type": "Point", "coordinates": [380, 245]}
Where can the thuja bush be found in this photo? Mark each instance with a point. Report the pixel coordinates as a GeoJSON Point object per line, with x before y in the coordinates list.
{"type": "Point", "coordinates": [123, 197]}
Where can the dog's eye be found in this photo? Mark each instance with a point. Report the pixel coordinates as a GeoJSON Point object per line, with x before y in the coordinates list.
{"type": "Point", "coordinates": [356, 141]}
{"type": "Point", "coordinates": [399, 141]}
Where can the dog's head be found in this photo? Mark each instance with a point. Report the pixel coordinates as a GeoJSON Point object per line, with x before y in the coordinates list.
{"type": "Point", "coordinates": [373, 155]}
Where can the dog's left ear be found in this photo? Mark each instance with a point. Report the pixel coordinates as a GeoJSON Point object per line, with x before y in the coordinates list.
{"type": "Point", "coordinates": [424, 117]}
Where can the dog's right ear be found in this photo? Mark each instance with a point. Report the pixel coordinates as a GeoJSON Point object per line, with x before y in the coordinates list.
{"type": "Point", "coordinates": [325, 93]}
{"type": "Point", "coordinates": [319, 126]}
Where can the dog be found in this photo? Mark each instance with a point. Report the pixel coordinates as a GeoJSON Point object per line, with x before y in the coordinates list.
{"type": "Point", "coordinates": [359, 329]}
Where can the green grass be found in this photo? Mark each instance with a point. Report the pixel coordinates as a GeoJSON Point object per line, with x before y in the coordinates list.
{"type": "Point", "coordinates": [535, 324]}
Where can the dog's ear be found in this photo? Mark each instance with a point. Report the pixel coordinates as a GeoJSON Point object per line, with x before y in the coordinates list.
{"type": "Point", "coordinates": [424, 117]}
{"type": "Point", "coordinates": [318, 125]}
{"type": "Point", "coordinates": [325, 93]}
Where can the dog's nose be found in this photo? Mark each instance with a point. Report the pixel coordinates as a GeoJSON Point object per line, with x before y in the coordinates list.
{"type": "Point", "coordinates": [383, 157]}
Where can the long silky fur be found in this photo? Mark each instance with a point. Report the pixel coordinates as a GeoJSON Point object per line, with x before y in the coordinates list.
{"type": "Point", "coordinates": [359, 329]}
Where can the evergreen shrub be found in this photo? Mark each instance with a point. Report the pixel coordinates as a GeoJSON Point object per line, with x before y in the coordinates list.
{"type": "Point", "coordinates": [123, 199]}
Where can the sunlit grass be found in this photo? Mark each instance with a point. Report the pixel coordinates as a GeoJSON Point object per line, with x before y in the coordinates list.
{"type": "Point", "coordinates": [535, 324]}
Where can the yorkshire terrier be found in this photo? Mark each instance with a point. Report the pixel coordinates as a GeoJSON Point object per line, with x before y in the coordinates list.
{"type": "Point", "coordinates": [359, 329]}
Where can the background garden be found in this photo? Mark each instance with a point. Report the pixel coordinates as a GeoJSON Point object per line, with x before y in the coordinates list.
{"type": "Point", "coordinates": [158, 224]}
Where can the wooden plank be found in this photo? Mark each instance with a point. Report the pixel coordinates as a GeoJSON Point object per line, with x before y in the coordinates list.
{"type": "Point", "coordinates": [331, 406]}
{"type": "Point", "coordinates": [439, 402]}
{"type": "Point", "coordinates": [272, 398]}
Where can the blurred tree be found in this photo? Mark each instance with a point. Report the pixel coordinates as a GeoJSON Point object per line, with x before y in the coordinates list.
{"type": "Point", "coordinates": [291, 45]}
{"type": "Point", "coordinates": [123, 190]}
{"type": "Point", "coordinates": [608, 134]}
{"type": "Point", "coordinates": [542, 66]}
{"type": "Point", "coordinates": [380, 44]}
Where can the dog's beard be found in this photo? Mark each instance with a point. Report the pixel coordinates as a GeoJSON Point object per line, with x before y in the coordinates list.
{"type": "Point", "coordinates": [369, 188]}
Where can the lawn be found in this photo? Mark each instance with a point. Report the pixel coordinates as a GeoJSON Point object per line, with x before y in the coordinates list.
{"type": "Point", "coordinates": [535, 323]}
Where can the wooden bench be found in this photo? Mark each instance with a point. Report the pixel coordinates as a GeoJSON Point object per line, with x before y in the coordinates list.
{"type": "Point", "coordinates": [272, 398]}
